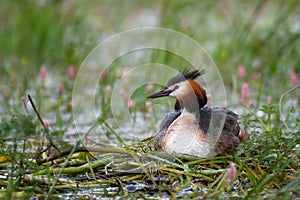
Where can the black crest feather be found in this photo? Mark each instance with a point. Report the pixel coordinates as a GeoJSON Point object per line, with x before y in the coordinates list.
{"type": "Point", "coordinates": [184, 75]}
{"type": "Point", "coordinates": [188, 74]}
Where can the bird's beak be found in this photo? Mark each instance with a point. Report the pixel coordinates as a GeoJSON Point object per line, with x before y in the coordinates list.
{"type": "Point", "coordinates": [163, 93]}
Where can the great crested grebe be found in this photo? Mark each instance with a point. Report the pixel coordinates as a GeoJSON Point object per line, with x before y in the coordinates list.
{"type": "Point", "coordinates": [194, 128]}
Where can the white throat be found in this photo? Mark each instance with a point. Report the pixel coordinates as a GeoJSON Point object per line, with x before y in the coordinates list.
{"type": "Point", "coordinates": [185, 137]}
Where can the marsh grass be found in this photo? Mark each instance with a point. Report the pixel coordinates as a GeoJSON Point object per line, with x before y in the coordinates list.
{"type": "Point", "coordinates": [262, 36]}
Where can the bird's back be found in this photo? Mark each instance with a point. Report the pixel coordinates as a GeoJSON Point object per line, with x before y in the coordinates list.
{"type": "Point", "coordinates": [221, 126]}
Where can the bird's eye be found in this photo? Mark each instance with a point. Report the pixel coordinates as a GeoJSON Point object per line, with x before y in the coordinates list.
{"type": "Point", "coordinates": [176, 87]}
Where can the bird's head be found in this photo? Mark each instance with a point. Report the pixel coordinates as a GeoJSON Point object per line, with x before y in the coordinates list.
{"type": "Point", "coordinates": [185, 89]}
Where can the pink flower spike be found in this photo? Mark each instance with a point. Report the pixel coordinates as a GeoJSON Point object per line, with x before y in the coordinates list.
{"type": "Point", "coordinates": [149, 106]}
{"type": "Point", "coordinates": [231, 172]}
{"type": "Point", "coordinates": [61, 88]}
{"type": "Point", "coordinates": [149, 87]}
{"type": "Point", "coordinates": [47, 124]}
{"type": "Point", "coordinates": [71, 72]}
{"type": "Point", "coordinates": [269, 100]}
{"type": "Point", "coordinates": [250, 103]}
{"type": "Point", "coordinates": [104, 75]}
{"type": "Point", "coordinates": [245, 91]}
{"type": "Point", "coordinates": [293, 78]}
{"type": "Point", "coordinates": [123, 94]}
{"type": "Point", "coordinates": [208, 99]}
{"type": "Point", "coordinates": [241, 71]}
{"type": "Point", "coordinates": [5, 94]}
{"type": "Point", "coordinates": [148, 116]}
{"type": "Point", "coordinates": [108, 91]}
{"type": "Point", "coordinates": [124, 78]}
{"type": "Point", "coordinates": [130, 103]}
{"type": "Point", "coordinates": [43, 72]}
{"type": "Point", "coordinates": [71, 103]}
{"type": "Point", "coordinates": [24, 101]}
{"type": "Point", "coordinates": [86, 140]}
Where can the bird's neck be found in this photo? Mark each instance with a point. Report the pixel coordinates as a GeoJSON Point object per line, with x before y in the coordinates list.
{"type": "Point", "coordinates": [191, 105]}
{"type": "Point", "coordinates": [194, 101]}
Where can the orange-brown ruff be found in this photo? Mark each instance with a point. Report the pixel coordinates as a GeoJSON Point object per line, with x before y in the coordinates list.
{"type": "Point", "coordinates": [194, 128]}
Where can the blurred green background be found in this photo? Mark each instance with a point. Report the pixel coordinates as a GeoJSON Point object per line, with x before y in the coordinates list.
{"type": "Point", "coordinates": [260, 36]}
{"type": "Point", "coordinates": [263, 36]}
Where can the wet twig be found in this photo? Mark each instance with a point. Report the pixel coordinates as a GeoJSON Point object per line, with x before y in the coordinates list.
{"type": "Point", "coordinates": [84, 149]}
{"type": "Point", "coordinates": [47, 131]}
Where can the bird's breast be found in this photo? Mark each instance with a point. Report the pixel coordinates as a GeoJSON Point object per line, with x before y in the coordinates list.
{"type": "Point", "coordinates": [185, 137]}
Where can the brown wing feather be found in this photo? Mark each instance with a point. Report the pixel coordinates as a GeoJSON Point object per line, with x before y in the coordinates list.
{"type": "Point", "coordinates": [223, 124]}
